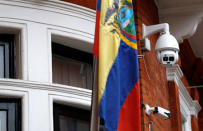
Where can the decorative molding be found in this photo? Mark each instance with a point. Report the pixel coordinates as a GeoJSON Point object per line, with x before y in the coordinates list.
{"type": "Point", "coordinates": [43, 95]}
{"type": "Point", "coordinates": [195, 108]}
{"type": "Point", "coordinates": [71, 38]}
{"type": "Point", "coordinates": [174, 73]}
{"type": "Point", "coordinates": [83, 93]}
{"type": "Point", "coordinates": [56, 6]}
{"type": "Point", "coordinates": [53, 14]}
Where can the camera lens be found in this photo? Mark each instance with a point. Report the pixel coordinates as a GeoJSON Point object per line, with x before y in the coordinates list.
{"type": "Point", "coordinates": [165, 58]}
{"type": "Point", "coordinates": [171, 58]}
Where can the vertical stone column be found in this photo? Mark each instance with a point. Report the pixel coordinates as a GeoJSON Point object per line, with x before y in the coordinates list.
{"type": "Point", "coordinates": [38, 64]}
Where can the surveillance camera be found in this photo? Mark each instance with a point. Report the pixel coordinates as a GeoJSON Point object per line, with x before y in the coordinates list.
{"type": "Point", "coordinates": [159, 111]}
{"type": "Point", "coordinates": [167, 49]}
{"type": "Point", "coordinates": [167, 57]}
{"type": "Point", "coordinates": [163, 113]}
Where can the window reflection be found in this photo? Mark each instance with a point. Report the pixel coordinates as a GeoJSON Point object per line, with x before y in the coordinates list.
{"type": "Point", "coordinates": [3, 121]}
{"type": "Point", "coordinates": [1, 61]}
{"type": "Point", "coordinates": [71, 66]}
{"type": "Point", "coordinates": [71, 124]}
{"type": "Point", "coordinates": [67, 118]}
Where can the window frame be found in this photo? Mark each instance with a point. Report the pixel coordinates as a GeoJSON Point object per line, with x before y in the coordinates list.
{"type": "Point", "coordinates": [75, 56]}
{"type": "Point", "coordinates": [8, 42]}
{"type": "Point", "coordinates": [13, 108]}
{"type": "Point", "coordinates": [69, 111]}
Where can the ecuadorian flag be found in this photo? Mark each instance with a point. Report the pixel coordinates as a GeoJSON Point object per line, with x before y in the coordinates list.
{"type": "Point", "coordinates": [116, 49]}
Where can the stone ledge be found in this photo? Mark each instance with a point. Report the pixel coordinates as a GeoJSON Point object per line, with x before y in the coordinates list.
{"type": "Point", "coordinates": [174, 74]}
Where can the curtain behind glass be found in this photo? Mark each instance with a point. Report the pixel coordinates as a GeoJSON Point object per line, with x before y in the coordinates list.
{"type": "Point", "coordinates": [71, 124]}
{"type": "Point", "coordinates": [71, 72]}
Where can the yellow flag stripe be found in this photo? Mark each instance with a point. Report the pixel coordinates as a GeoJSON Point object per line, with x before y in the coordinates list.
{"type": "Point", "coordinates": [128, 42]}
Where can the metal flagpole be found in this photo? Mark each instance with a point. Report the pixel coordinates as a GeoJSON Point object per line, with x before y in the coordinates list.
{"type": "Point", "coordinates": [94, 106]}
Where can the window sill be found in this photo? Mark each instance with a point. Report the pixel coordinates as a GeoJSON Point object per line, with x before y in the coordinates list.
{"type": "Point", "coordinates": [46, 86]}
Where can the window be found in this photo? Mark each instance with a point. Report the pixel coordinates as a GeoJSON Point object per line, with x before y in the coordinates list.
{"type": "Point", "coordinates": [68, 118]}
{"type": "Point", "coordinates": [7, 56]}
{"type": "Point", "coordinates": [10, 115]}
{"type": "Point", "coordinates": [71, 66]}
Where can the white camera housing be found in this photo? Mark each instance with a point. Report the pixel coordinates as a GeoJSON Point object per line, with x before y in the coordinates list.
{"type": "Point", "coordinates": [159, 111]}
{"type": "Point", "coordinates": [167, 47]}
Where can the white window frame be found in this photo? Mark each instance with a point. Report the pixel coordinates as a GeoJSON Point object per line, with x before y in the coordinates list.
{"type": "Point", "coordinates": [20, 30]}
{"type": "Point", "coordinates": [63, 38]}
{"type": "Point", "coordinates": [70, 100]}
{"type": "Point", "coordinates": [188, 106]}
{"type": "Point", "coordinates": [8, 92]}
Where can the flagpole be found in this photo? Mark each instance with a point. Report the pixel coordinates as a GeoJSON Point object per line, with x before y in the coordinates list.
{"type": "Point", "coordinates": [94, 106]}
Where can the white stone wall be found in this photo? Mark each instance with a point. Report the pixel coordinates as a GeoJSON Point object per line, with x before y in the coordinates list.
{"type": "Point", "coordinates": [41, 22]}
{"type": "Point", "coordinates": [38, 23]}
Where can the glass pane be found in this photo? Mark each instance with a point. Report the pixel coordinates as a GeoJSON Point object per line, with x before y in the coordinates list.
{"type": "Point", "coordinates": [1, 61]}
{"type": "Point", "coordinates": [6, 62]}
{"type": "Point", "coordinates": [71, 124]}
{"type": "Point", "coordinates": [82, 126]}
{"type": "Point", "coordinates": [72, 73]}
{"type": "Point", "coordinates": [3, 121]}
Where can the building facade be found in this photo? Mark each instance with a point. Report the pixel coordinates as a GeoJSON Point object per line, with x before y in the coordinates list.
{"type": "Point", "coordinates": [46, 65]}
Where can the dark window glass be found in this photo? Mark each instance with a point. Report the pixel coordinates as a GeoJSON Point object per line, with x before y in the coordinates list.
{"type": "Point", "coordinates": [7, 56]}
{"type": "Point", "coordinates": [68, 118]}
{"type": "Point", "coordinates": [71, 66]}
{"type": "Point", "coordinates": [10, 114]}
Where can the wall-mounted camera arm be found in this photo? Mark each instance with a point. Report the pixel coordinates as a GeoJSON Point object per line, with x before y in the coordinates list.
{"type": "Point", "coordinates": [150, 30]}
{"type": "Point", "coordinates": [149, 109]}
